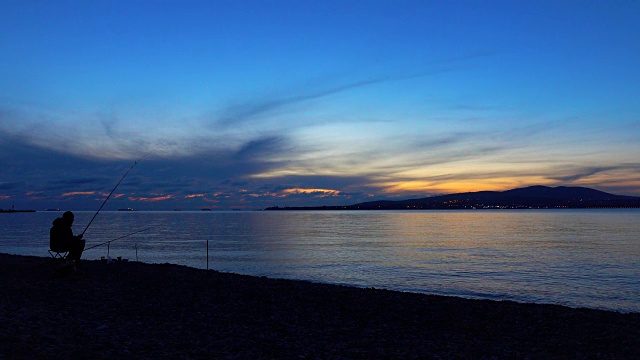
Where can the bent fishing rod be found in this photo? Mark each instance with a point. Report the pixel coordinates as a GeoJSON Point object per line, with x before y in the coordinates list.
{"type": "Point", "coordinates": [121, 237]}
{"type": "Point", "coordinates": [108, 196]}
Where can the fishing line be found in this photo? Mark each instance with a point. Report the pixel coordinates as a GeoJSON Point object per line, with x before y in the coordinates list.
{"type": "Point", "coordinates": [121, 237]}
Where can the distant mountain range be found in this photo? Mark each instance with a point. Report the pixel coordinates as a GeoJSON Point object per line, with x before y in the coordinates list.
{"type": "Point", "coordinates": [532, 197]}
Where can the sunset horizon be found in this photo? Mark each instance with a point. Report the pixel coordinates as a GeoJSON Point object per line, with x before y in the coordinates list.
{"type": "Point", "coordinates": [254, 104]}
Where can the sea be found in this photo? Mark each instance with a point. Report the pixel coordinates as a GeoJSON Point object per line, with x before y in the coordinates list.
{"type": "Point", "coordinates": [578, 258]}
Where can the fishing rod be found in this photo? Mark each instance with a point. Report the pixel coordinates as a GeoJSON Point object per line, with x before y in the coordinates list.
{"type": "Point", "coordinates": [121, 237]}
{"type": "Point", "coordinates": [106, 242]}
{"type": "Point", "coordinates": [111, 193]}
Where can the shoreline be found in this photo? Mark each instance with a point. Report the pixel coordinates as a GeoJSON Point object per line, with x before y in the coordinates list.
{"type": "Point", "coordinates": [139, 310]}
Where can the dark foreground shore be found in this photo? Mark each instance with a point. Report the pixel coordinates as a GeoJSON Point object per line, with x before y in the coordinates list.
{"type": "Point", "coordinates": [135, 310]}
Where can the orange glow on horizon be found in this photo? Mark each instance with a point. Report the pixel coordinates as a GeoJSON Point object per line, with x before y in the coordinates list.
{"type": "Point", "coordinates": [320, 192]}
{"type": "Point", "coordinates": [74, 193]}
{"type": "Point", "coordinates": [152, 199]}
{"type": "Point", "coordinates": [617, 178]}
{"type": "Point", "coordinates": [459, 186]}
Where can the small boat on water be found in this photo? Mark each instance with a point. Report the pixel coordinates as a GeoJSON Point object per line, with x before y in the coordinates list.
{"type": "Point", "coordinates": [205, 209]}
{"type": "Point", "coordinates": [127, 209]}
{"type": "Point", "coordinates": [52, 209]}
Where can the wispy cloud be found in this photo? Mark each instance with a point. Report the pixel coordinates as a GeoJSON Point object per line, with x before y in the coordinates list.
{"type": "Point", "coordinates": [576, 173]}
{"type": "Point", "coordinates": [152, 199]}
{"type": "Point", "coordinates": [262, 149]}
{"type": "Point", "coordinates": [11, 186]}
{"type": "Point", "coordinates": [76, 182]}
{"type": "Point", "coordinates": [193, 196]}
{"type": "Point", "coordinates": [315, 192]}
{"type": "Point", "coordinates": [78, 193]}
{"type": "Point", "coordinates": [253, 109]}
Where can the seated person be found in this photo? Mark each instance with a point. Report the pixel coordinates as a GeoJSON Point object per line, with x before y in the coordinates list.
{"type": "Point", "coordinates": [61, 238]}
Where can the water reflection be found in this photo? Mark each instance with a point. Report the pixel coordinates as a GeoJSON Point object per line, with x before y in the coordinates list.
{"type": "Point", "coordinates": [578, 258]}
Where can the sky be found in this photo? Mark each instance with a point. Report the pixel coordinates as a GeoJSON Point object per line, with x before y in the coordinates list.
{"type": "Point", "coordinates": [250, 104]}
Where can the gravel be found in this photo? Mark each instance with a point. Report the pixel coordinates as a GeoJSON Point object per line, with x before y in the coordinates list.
{"type": "Point", "coordinates": [162, 311]}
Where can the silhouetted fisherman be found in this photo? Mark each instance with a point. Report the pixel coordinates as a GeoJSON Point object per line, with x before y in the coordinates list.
{"type": "Point", "coordinates": [61, 238]}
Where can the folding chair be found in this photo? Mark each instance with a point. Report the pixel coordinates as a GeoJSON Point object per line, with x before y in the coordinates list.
{"type": "Point", "coordinates": [60, 260]}
{"type": "Point", "coordinates": [62, 255]}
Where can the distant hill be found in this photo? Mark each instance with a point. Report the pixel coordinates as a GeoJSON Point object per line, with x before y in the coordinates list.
{"type": "Point", "coordinates": [532, 197]}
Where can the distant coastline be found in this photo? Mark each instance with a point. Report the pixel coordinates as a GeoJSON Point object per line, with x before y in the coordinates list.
{"type": "Point", "coordinates": [15, 211]}
{"type": "Point", "coordinates": [532, 197]}
{"type": "Point", "coordinates": [352, 208]}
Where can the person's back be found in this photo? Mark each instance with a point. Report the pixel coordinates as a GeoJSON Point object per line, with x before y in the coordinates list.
{"type": "Point", "coordinates": [61, 237]}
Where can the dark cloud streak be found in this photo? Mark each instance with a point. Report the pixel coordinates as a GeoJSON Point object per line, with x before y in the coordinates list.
{"type": "Point", "coordinates": [12, 186]}
{"type": "Point", "coordinates": [252, 109]}
{"type": "Point", "coordinates": [576, 174]}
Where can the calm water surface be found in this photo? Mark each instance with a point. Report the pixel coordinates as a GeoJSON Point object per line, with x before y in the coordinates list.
{"type": "Point", "coordinates": [579, 258]}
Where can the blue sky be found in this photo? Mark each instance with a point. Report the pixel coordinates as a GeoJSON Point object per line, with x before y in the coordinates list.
{"type": "Point", "coordinates": [247, 104]}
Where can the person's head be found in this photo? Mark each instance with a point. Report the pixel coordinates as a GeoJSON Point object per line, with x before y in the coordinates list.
{"type": "Point", "coordinates": [68, 217]}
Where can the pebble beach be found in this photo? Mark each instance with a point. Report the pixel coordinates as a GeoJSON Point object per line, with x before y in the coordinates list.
{"type": "Point", "coordinates": [135, 310]}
